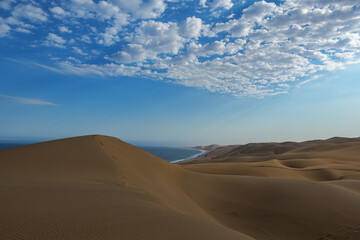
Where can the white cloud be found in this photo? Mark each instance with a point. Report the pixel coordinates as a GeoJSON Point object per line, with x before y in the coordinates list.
{"type": "Point", "coordinates": [150, 39]}
{"type": "Point", "coordinates": [128, 6]}
{"type": "Point", "coordinates": [23, 30]}
{"type": "Point", "coordinates": [110, 36]}
{"type": "Point", "coordinates": [242, 27]}
{"type": "Point", "coordinates": [258, 11]}
{"type": "Point", "coordinates": [142, 9]}
{"type": "Point", "coordinates": [29, 12]}
{"type": "Point", "coordinates": [18, 15]}
{"type": "Point", "coordinates": [6, 4]}
{"type": "Point", "coordinates": [263, 50]}
{"type": "Point", "coordinates": [215, 48]}
{"type": "Point", "coordinates": [202, 3]}
{"type": "Point", "coordinates": [53, 40]}
{"type": "Point", "coordinates": [107, 12]}
{"type": "Point", "coordinates": [191, 27]}
{"type": "Point", "coordinates": [230, 16]}
{"type": "Point", "coordinates": [227, 4]}
{"type": "Point", "coordinates": [64, 29]}
{"type": "Point", "coordinates": [289, 43]}
{"type": "Point", "coordinates": [85, 38]}
{"type": "Point", "coordinates": [235, 28]}
{"type": "Point", "coordinates": [118, 10]}
{"type": "Point", "coordinates": [78, 51]}
{"type": "Point", "coordinates": [132, 53]}
{"type": "Point", "coordinates": [4, 29]}
{"type": "Point", "coordinates": [30, 101]}
{"type": "Point", "coordinates": [58, 12]}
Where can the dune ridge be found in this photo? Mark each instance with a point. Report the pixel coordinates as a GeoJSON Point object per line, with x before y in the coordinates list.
{"type": "Point", "coordinates": [99, 187]}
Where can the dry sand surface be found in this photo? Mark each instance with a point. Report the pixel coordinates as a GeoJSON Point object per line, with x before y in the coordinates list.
{"type": "Point", "coordinates": [98, 187]}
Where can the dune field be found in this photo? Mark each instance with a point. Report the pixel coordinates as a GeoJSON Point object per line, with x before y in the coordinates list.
{"type": "Point", "coordinates": [99, 187]}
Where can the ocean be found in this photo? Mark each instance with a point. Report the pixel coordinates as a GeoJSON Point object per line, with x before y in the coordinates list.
{"type": "Point", "coordinates": [170, 154]}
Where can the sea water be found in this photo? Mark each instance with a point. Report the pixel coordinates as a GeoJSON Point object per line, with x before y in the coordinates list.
{"type": "Point", "coordinates": [170, 154]}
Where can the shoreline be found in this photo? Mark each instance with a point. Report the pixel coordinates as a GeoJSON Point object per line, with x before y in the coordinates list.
{"type": "Point", "coordinates": [191, 157]}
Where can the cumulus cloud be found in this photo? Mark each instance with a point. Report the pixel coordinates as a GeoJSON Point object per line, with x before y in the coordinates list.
{"type": "Point", "coordinates": [58, 12]}
{"type": "Point", "coordinates": [4, 29]}
{"type": "Point", "coordinates": [64, 29]}
{"type": "Point", "coordinates": [261, 50]}
{"type": "Point", "coordinates": [141, 8]}
{"type": "Point", "coordinates": [115, 9]}
{"type": "Point", "coordinates": [111, 34]}
{"type": "Point", "coordinates": [18, 16]}
{"type": "Point", "coordinates": [191, 27]}
{"type": "Point", "coordinates": [53, 40]}
{"type": "Point", "coordinates": [23, 30]}
{"type": "Point", "coordinates": [271, 47]}
{"type": "Point", "coordinates": [6, 4]}
{"type": "Point", "coordinates": [202, 3]}
{"type": "Point", "coordinates": [254, 14]}
{"type": "Point", "coordinates": [235, 28]}
{"type": "Point", "coordinates": [215, 48]}
{"type": "Point", "coordinates": [105, 11]}
{"type": "Point", "coordinates": [258, 11]}
{"type": "Point", "coordinates": [29, 12]}
{"type": "Point", "coordinates": [150, 39]}
{"type": "Point", "coordinates": [78, 51]}
{"type": "Point", "coordinates": [227, 4]}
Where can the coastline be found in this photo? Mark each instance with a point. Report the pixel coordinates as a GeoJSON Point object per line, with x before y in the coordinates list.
{"type": "Point", "coordinates": [191, 157]}
{"type": "Point", "coordinates": [127, 188]}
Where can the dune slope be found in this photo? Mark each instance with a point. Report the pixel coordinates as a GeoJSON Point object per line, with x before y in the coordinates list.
{"type": "Point", "coordinates": [98, 187]}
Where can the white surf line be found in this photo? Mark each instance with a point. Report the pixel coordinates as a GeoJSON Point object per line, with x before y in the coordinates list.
{"type": "Point", "coordinates": [191, 157]}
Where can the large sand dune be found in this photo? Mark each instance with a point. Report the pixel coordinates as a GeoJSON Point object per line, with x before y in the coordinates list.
{"type": "Point", "coordinates": [98, 187]}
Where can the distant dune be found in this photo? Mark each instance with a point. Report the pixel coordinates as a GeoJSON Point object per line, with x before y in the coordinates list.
{"type": "Point", "coordinates": [207, 147]}
{"type": "Point", "coordinates": [98, 187]}
{"type": "Point", "coordinates": [266, 151]}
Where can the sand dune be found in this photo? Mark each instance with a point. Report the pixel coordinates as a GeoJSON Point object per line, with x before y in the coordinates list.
{"type": "Point", "coordinates": [207, 147]}
{"type": "Point", "coordinates": [98, 187]}
{"type": "Point", "coordinates": [266, 151]}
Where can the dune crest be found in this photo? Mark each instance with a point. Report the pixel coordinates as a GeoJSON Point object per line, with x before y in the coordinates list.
{"type": "Point", "coordinates": [98, 187]}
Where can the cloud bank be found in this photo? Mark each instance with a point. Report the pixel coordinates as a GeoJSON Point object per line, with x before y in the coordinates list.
{"type": "Point", "coordinates": [242, 48]}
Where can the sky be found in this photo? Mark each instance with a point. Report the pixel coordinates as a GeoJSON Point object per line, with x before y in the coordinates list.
{"type": "Point", "coordinates": [180, 73]}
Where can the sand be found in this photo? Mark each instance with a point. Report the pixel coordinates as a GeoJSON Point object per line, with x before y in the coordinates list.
{"type": "Point", "coordinates": [98, 187]}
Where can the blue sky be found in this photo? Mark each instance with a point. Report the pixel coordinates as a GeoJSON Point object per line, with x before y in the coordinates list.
{"type": "Point", "coordinates": [180, 73]}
